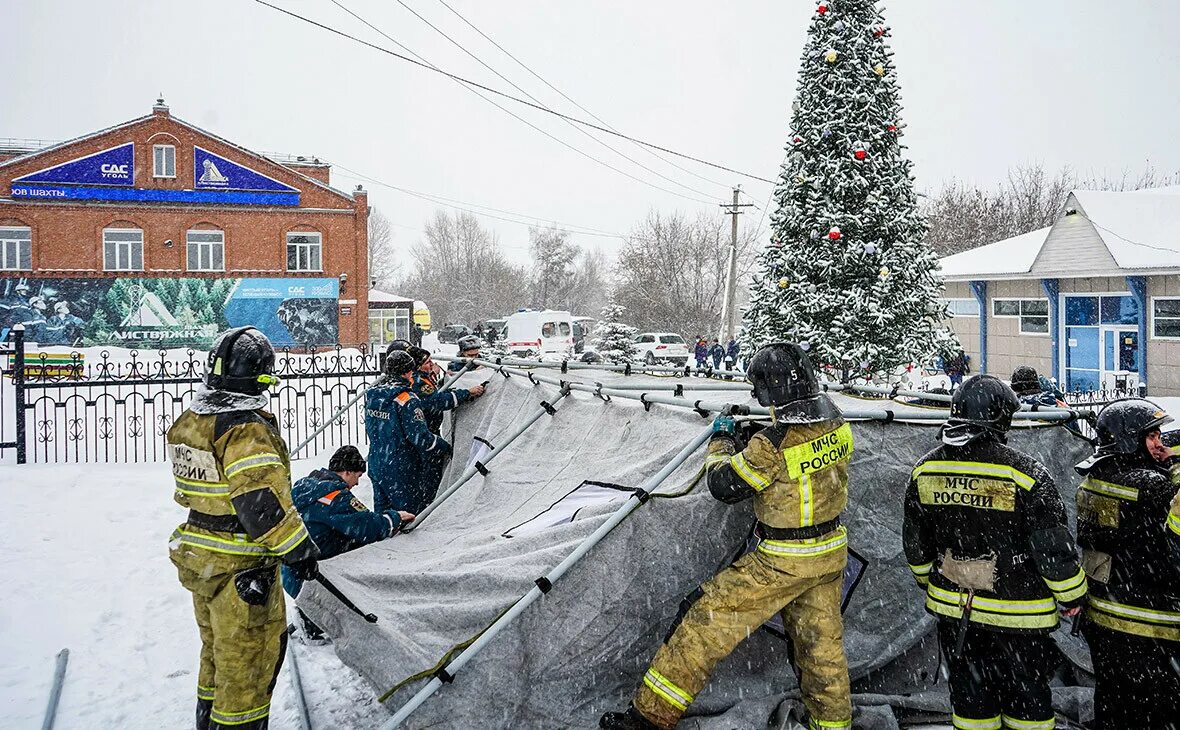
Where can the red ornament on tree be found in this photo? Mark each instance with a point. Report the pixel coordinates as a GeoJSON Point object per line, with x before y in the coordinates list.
{"type": "Point", "coordinates": [823, 8]}
{"type": "Point", "coordinates": [878, 31]}
{"type": "Point", "coordinates": [860, 154]}
{"type": "Point", "coordinates": [892, 128]}
{"type": "Point", "coordinates": [798, 140]}
{"type": "Point", "coordinates": [834, 234]}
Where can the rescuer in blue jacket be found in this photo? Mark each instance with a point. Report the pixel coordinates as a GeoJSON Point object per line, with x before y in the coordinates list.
{"type": "Point", "coordinates": [400, 441]}
{"type": "Point", "coordinates": [336, 520]}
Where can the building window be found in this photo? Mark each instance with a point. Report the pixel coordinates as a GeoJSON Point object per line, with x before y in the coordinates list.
{"type": "Point", "coordinates": [206, 250]}
{"type": "Point", "coordinates": [962, 307]}
{"type": "Point", "coordinates": [1033, 314]}
{"type": "Point", "coordinates": [122, 249]}
{"type": "Point", "coordinates": [387, 325]}
{"type": "Point", "coordinates": [163, 160]}
{"type": "Point", "coordinates": [303, 251]}
{"type": "Point", "coordinates": [1165, 317]}
{"type": "Point", "coordinates": [16, 248]}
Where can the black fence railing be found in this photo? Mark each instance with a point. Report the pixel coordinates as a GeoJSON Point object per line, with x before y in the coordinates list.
{"type": "Point", "coordinates": [117, 408]}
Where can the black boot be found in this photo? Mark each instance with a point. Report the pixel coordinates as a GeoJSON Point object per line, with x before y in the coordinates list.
{"type": "Point", "coordinates": [312, 633]}
{"type": "Point", "coordinates": [204, 709]}
{"type": "Point", "coordinates": [632, 719]}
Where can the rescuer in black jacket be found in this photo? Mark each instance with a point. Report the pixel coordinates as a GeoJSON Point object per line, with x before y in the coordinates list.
{"type": "Point", "coordinates": [1132, 619]}
{"type": "Point", "coordinates": [986, 535]}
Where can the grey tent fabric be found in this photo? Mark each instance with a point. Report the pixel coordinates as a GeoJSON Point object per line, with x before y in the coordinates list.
{"type": "Point", "coordinates": [581, 650]}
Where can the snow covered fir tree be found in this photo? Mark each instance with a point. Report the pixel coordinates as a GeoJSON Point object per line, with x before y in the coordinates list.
{"type": "Point", "coordinates": [846, 273]}
{"type": "Point", "coordinates": [613, 340]}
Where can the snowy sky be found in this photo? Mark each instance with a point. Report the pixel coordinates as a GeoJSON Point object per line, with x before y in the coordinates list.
{"type": "Point", "coordinates": [1087, 83]}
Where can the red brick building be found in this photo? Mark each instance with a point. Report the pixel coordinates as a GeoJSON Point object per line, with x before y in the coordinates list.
{"type": "Point", "coordinates": [165, 232]}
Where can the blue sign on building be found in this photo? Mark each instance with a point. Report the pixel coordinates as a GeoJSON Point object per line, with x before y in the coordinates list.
{"type": "Point", "coordinates": [114, 166]}
{"type": "Point", "coordinates": [214, 172]}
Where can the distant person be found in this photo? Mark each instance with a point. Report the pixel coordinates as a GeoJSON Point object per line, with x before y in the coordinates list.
{"type": "Point", "coordinates": [717, 352]}
{"type": "Point", "coordinates": [956, 367]}
{"type": "Point", "coordinates": [1029, 388]}
{"type": "Point", "coordinates": [469, 346]}
{"type": "Point", "coordinates": [701, 352]}
{"type": "Point", "coordinates": [416, 334]}
{"type": "Point", "coordinates": [732, 353]}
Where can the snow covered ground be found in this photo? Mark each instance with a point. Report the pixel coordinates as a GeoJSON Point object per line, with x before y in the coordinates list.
{"type": "Point", "coordinates": [86, 567]}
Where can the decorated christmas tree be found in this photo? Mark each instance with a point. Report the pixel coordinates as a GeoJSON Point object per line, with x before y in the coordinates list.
{"type": "Point", "coordinates": [613, 340]}
{"type": "Point", "coordinates": [846, 273]}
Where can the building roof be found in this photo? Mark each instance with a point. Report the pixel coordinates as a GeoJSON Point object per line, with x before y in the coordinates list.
{"type": "Point", "coordinates": [376, 295]}
{"type": "Point", "coordinates": [1135, 231]}
{"type": "Point", "coordinates": [1011, 256]}
{"type": "Point", "coordinates": [1141, 229]}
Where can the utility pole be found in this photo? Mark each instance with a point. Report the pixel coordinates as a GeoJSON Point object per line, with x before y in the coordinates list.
{"type": "Point", "coordinates": [728, 307]}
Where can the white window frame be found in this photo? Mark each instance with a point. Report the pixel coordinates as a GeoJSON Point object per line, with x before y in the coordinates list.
{"type": "Point", "coordinates": [12, 240]}
{"type": "Point", "coordinates": [946, 301]}
{"type": "Point", "coordinates": [305, 249]}
{"type": "Point", "coordinates": [119, 246]}
{"type": "Point", "coordinates": [1151, 321]}
{"type": "Point", "coordinates": [156, 172]}
{"type": "Point", "coordinates": [1022, 300]}
{"type": "Point", "coordinates": [211, 246]}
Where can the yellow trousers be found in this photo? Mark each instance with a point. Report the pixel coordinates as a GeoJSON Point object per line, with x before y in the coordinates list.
{"type": "Point", "coordinates": [735, 603]}
{"type": "Point", "coordinates": [242, 645]}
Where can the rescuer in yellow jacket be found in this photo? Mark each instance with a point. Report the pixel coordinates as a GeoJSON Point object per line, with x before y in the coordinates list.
{"type": "Point", "coordinates": [796, 471]}
{"type": "Point", "coordinates": [233, 473]}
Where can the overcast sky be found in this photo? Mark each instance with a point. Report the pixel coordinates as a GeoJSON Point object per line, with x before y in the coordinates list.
{"type": "Point", "coordinates": [1092, 84]}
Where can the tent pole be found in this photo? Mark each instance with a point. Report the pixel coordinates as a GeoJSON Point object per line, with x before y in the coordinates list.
{"type": "Point", "coordinates": [473, 470]}
{"type": "Point", "coordinates": [550, 578]}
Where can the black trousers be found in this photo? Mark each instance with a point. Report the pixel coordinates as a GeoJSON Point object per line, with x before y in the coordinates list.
{"type": "Point", "coordinates": [1000, 675]}
{"type": "Point", "coordinates": [1137, 680]}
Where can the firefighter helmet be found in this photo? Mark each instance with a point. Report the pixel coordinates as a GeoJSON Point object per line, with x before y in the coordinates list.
{"type": "Point", "coordinates": [347, 458]}
{"type": "Point", "coordinates": [1124, 424]}
{"type": "Point", "coordinates": [984, 400]}
{"type": "Point", "coordinates": [782, 373]}
{"type": "Point", "coordinates": [243, 361]}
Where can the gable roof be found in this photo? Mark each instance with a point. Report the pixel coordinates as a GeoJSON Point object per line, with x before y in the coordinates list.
{"type": "Point", "coordinates": [272, 164]}
{"type": "Point", "coordinates": [1133, 231]}
{"type": "Point", "coordinates": [1141, 229]}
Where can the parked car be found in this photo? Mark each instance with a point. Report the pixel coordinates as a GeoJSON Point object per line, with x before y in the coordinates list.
{"type": "Point", "coordinates": [544, 334]}
{"type": "Point", "coordinates": [661, 347]}
{"type": "Point", "coordinates": [451, 333]}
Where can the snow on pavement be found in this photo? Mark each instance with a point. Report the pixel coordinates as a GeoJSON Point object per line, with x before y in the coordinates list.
{"type": "Point", "coordinates": [86, 567]}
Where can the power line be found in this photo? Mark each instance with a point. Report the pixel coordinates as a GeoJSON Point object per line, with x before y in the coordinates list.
{"type": "Point", "coordinates": [1165, 249]}
{"type": "Point", "coordinates": [594, 116]}
{"type": "Point", "coordinates": [511, 113]}
{"type": "Point", "coordinates": [513, 84]}
{"type": "Point", "coordinates": [530, 220]}
{"type": "Point", "coordinates": [505, 95]}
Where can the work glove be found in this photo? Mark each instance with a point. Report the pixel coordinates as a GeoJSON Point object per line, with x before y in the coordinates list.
{"type": "Point", "coordinates": [724, 425]}
{"type": "Point", "coordinates": [305, 569]}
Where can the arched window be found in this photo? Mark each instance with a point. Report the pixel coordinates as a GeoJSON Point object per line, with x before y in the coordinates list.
{"type": "Point", "coordinates": [122, 248]}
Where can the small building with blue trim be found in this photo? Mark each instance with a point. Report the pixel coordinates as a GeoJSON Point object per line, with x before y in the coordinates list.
{"type": "Point", "coordinates": [1093, 300]}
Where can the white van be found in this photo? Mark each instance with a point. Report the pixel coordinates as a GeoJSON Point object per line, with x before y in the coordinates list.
{"type": "Point", "coordinates": [548, 334]}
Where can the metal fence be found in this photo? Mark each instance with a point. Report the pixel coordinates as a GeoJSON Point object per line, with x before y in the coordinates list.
{"type": "Point", "coordinates": [118, 408]}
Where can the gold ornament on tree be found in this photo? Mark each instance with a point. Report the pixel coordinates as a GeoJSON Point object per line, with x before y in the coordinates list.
{"type": "Point", "coordinates": [783, 283]}
{"type": "Point", "coordinates": [831, 56]}
{"type": "Point", "coordinates": [884, 272]}
{"type": "Point", "coordinates": [879, 69]}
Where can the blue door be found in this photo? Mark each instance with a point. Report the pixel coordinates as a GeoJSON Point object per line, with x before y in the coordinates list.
{"type": "Point", "coordinates": [1101, 341]}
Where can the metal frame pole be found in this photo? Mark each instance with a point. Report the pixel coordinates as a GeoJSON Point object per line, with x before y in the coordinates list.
{"type": "Point", "coordinates": [474, 469]}
{"type": "Point", "coordinates": [549, 579]}
{"type": "Point", "coordinates": [59, 679]}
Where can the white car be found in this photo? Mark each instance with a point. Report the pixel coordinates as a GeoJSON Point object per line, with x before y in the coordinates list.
{"type": "Point", "coordinates": [654, 347]}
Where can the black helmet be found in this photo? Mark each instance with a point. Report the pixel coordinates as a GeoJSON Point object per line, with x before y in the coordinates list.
{"type": "Point", "coordinates": [1123, 426]}
{"type": "Point", "coordinates": [420, 355]}
{"type": "Point", "coordinates": [398, 363]}
{"type": "Point", "coordinates": [782, 373]}
{"type": "Point", "coordinates": [469, 342]}
{"type": "Point", "coordinates": [984, 401]}
{"type": "Point", "coordinates": [396, 345]}
{"type": "Point", "coordinates": [1025, 381]}
{"type": "Point", "coordinates": [347, 458]}
{"type": "Point", "coordinates": [243, 361]}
